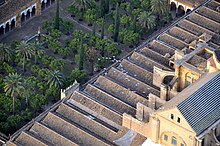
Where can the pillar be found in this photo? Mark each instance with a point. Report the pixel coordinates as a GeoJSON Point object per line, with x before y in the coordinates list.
{"type": "Point", "coordinates": [199, 143]}
{"type": "Point", "coordinates": [18, 20]}
{"type": "Point", "coordinates": [163, 91]}
{"type": "Point", "coordinates": [218, 130]}
{"type": "Point", "coordinates": [177, 74]}
{"type": "Point", "coordinates": [38, 7]}
{"type": "Point", "coordinates": [4, 29]}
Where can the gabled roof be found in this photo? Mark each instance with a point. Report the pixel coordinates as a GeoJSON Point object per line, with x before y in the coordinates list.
{"type": "Point", "coordinates": [199, 103]}
{"type": "Point", "coordinates": [201, 109]}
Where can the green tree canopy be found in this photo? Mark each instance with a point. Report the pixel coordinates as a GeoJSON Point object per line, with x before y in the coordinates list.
{"type": "Point", "coordinates": [146, 19]}
{"type": "Point", "coordinates": [159, 7]}
{"type": "Point", "coordinates": [13, 86]}
{"type": "Point", "coordinates": [55, 79]}
{"type": "Point", "coordinates": [5, 53]}
{"type": "Point", "coordinates": [24, 51]}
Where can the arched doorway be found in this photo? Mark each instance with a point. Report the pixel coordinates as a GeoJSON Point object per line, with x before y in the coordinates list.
{"type": "Point", "coordinates": [42, 5]}
{"type": "Point", "coordinates": [22, 17]}
{"type": "Point", "coordinates": [167, 79]}
{"type": "Point", "coordinates": [173, 6]}
{"type": "Point", "coordinates": [188, 10]}
{"type": "Point", "coordinates": [47, 3]}
{"type": "Point", "coordinates": [28, 15]}
{"type": "Point", "coordinates": [7, 27]}
{"type": "Point", "coordinates": [181, 11]}
{"type": "Point", "coordinates": [1, 30]}
{"type": "Point", "coordinates": [33, 11]}
{"type": "Point", "coordinates": [13, 24]}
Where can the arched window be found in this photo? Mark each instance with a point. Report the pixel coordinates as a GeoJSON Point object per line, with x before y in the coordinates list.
{"type": "Point", "coordinates": [174, 141]}
{"type": "Point", "coordinates": [172, 116]}
{"type": "Point", "coordinates": [13, 24]}
{"type": "Point", "coordinates": [165, 137]}
{"type": "Point", "coordinates": [42, 5]}
{"type": "Point", "coordinates": [28, 15]}
{"type": "Point", "coordinates": [188, 80]}
{"type": "Point", "coordinates": [173, 6]}
{"type": "Point", "coordinates": [181, 11]}
{"type": "Point", "coordinates": [22, 17]}
{"type": "Point", "coordinates": [33, 11]}
{"type": "Point", "coordinates": [48, 3]}
{"type": "Point", "coordinates": [2, 30]}
{"type": "Point", "coordinates": [7, 27]}
{"type": "Point", "coordinates": [188, 10]}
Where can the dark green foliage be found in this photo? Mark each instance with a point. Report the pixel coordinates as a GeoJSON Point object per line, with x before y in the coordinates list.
{"type": "Point", "coordinates": [5, 53]}
{"type": "Point", "coordinates": [81, 55]}
{"type": "Point", "coordinates": [102, 8]}
{"type": "Point", "coordinates": [145, 4]}
{"type": "Point", "coordinates": [80, 76]}
{"type": "Point", "coordinates": [83, 5]}
{"type": "Point", "coordinates": [36, 102]}
{"type": "Point", "coordinates": [24, 52]}
{"type": "Point", "coordinates": [103, 28]}
{"type": "Point", "coordinates": [53, 92]}
{"type": "Point", "coordinates": [159, 7]}
{"type": "Point", "coordinates": [55, 79]}
{"type": "Point", "coordinates": [47, 26]}
{"type": "Point", "coordinates": [57, 64]}
{"type": "Point", "coordinates": [134, 23]}
{"type": "Point", "coordinates": [129, 37]}
{"type": "Point", "coordinates": [117, 24]}
{"type": "Point", "coordinates": [90, 16]}
{"type": "Point", "coordinates": [94, 29]}
{"type": "Point", "coordinates": [57, 17]}
{"type": "Point", "coordinates": [106, 6]}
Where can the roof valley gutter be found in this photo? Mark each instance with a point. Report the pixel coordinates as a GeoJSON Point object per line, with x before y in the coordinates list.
{"type": "Point", "coordinates": [178, 20]}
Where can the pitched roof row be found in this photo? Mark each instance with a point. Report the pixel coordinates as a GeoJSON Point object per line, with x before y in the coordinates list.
{"type": "Point", "coordinates": [93, 115]}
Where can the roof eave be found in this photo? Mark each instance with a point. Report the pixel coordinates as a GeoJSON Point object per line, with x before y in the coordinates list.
{"type": "Point", "coordinates": [201, 135]}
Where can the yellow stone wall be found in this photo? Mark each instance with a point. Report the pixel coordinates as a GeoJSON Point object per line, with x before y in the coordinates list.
{"type": "Point", "coordinates": [182, 131]}
{"type": "Point", "coordinates": [161, 124]}
{"type": "Point", "coordinates": [136, 125]}
{"type": "Point", "coordinates": [183, 73]}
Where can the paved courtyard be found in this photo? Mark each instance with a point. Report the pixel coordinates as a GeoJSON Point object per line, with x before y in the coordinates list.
{"type": "Point", "coordinates": [31, 26]}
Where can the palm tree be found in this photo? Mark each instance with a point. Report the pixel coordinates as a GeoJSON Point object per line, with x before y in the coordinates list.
{"type": "Point", "coordinates": [24, 50]}
{"type": "Point", "coordinates": [37, 50]}
{"type": "Point", "coordinates": [29, 88]}
{"type": "Point", "coordinates": [158, 7]}
{"type": "Point", "coordinates": [55, 79]}
{"type": "Point", "coordinates": [146, 19]}
{"type": "Point", "coordinates": [81, 54]}
{"type": "Point", "coordinates": [83, 5]}
{"type": "Point", "coordinates": [5, 53]}
{"type": "Point", "coordinates": [13, 86]}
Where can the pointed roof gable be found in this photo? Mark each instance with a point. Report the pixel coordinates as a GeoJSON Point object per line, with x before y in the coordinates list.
{"type": "Point", "coordinates": [199, 104]}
